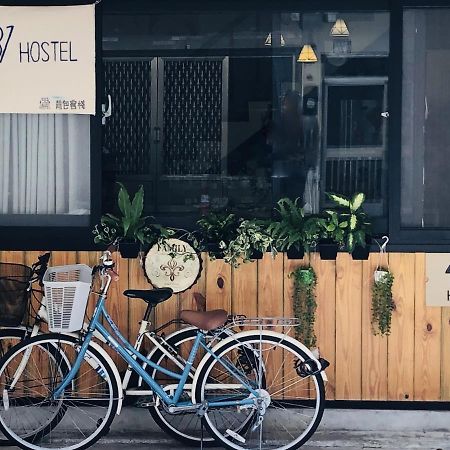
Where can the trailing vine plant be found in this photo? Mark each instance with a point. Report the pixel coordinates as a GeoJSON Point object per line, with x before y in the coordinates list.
{"type": "Point", "coordinates": [382, 302]}
{"type": "Point", "coordinates": [304, 302]}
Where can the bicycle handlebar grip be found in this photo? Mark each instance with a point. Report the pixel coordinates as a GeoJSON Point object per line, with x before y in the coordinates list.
{"type": "Point", "coordinates": [45, 258]}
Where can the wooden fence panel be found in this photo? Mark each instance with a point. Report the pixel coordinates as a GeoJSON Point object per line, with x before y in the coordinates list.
{"type": "Point", "coordinates": [244, 290]}
{"type": "Point", "coordinates": [326, 317]}
{"type": "Point", "coordinates": [427, 348]}
{"type": "Point", "coordinates": [374, 348]}
{"type": "Point", "coordinates": [412, 363]}
{"type": "Point", "coordinates": [218, 285]}
{"type": "Point", "coordinates": [401, 340]}
{"type": "Point", "coordinates": [348, 327]}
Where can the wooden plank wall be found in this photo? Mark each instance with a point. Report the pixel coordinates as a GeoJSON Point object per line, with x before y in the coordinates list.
{"type": "Point", "coordinates": [411, 364]}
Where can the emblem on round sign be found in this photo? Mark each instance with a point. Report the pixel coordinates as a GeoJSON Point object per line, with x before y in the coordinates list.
{"type": "Point", "coordinates": [172, 263]}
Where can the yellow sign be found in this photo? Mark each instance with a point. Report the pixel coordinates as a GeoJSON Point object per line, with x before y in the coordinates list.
{"type": "Point", "coordinates": [47, 59]}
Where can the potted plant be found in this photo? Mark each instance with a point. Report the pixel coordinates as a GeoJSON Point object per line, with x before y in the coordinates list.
{"type": "Point", "coordinates": [216, 230]}
{"type": "Point", "coordinates": [382, 301]}
{"type": "Point", "coordinates": [251, 241]}
{"type": "Point", "coordinates": [304, 304]}
{"type": "Point", "coordinates": [130, 231]}
{"type": "Point", "coordinates": [331, 235]}
{"type": "Point", "coordinates": [353, 224]}
{"type": "Point", "coordinates": [294, 233]}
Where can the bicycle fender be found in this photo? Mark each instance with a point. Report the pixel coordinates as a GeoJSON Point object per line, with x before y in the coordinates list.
{"type": "Point", "coordinates": [243, 334]}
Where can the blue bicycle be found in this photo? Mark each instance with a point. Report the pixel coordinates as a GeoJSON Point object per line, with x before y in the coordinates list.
{"type": "Point", "coordinates": [256, 389]}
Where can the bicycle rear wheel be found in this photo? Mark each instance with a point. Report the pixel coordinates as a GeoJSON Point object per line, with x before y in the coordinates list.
{"type": "Point", "coordinates": [291, 396]}
{"type": "Point", "coordinates": [29, 414]}
{"type": "Point", "coordinates": [186, 426]}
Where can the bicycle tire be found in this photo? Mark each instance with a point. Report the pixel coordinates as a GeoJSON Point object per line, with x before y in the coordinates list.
{"type": "Point", "coordinates": [96, 361]}
{"type": "Point", "coordinates": [234, 440]}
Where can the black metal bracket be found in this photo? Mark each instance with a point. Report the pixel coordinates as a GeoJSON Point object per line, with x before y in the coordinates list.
{"type": "Point", "coordinates": [310, 367]}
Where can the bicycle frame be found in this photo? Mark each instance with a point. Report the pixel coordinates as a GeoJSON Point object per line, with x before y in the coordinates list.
{"type": "Point", "coordinates": [131, 356]}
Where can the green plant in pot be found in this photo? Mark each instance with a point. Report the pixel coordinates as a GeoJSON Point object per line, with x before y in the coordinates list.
{"type": "Point", "coordinates": [251, 241]}
{"type": "Point", "coordinates": [354, 223]}
{"type": "Point", "coordinates": [294, 232]}
{"type": "Point", "coordinates": [304, 304]}
{"type": "Point", "coordinates": [216, 230]}
{"type": "Point", "coordinates": [382, 301]}
{"type": "Point", "coordinates": [331, 235]}
{"type": "Point", "coordinates": [130, 231]}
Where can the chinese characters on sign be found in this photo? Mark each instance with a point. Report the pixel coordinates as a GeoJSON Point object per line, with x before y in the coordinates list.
{"type": "Point", "coordinates": [50, 62]}
{"type": "Point", "coordinates": [46, 104]}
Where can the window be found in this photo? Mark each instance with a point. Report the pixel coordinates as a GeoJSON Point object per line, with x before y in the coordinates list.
{"type": "Point", "coordinates": [213, 109]}
{"type": "Point", "coordinates": [44, 170]}
{"type": "Point", "coordinates": [425, 164]}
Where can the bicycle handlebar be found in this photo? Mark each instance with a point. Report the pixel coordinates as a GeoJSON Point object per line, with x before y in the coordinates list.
{"type": "Point", "coordinates": [106, 264]}
{"type": "Point", "coordinates": [39, 268]}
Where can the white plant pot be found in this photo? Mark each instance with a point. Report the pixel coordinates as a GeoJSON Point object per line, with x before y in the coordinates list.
{"type": "Point", "coordinates": [379, 275]}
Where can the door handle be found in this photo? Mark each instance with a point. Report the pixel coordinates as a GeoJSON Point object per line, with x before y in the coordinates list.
{"type": "Point", "coordinates": [106, 110]}
{"type": "Point", "coordinates": [385, 114]}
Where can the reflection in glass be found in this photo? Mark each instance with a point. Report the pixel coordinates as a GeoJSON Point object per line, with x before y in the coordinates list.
{"type": "Point", "coordinates": [218, 113]}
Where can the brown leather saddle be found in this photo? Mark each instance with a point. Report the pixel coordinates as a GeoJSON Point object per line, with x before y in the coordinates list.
{"type": "Point", "coordinates": [205, 320]}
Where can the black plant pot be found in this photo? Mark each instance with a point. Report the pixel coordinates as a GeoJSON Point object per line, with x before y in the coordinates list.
{"type": "Point", "coordinates": [256, 254]}
{"type": "Point", "coordinates": [328, 250]}
{"type": "Point", "coordinates": [294, 253]}
{"type": "Point", "coordinates": [214, 250]}
{"type": "Point", "coordinates": [361, 253]}
{"type": "Point", "coordinates": [129, 250]}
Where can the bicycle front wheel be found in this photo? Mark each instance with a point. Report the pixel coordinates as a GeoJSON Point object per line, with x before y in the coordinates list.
{"type": "Point", "coordinates": [287, 401]}
{"type": "Point", "coordinates": [9, 337]}
{"type": "Point", "coordinates": [30, 415]}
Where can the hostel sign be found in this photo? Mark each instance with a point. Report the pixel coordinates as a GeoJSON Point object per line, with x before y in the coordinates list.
{"type": "Point", "coordinates": [438, 279]}
{"type": "Point", "coordinates": [47, 59]}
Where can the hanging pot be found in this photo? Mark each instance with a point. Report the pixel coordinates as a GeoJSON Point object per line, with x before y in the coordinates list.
{"type": "Point", "coordinates": [328, 250]}
{"type": "Point", "coordinates": [214, 250]}
{"type": "Point", "coordinates": [256, 254]}
{"type": "Point", "coordinates": [360, 252]}
{"type": "Point", "coordinates": [295, 253]}
{"type": "Point", "coordinates": [129, 250]}
{"type": "Point", "coordinates": [307, 276]}
{"type": "Point", "coordinates": [380, 275]}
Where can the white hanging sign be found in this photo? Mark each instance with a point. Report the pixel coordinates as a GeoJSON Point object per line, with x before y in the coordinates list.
{"type": "Point", "coordinates": [438, 279]}
{"type": "Point", "coordinates": [47, 59]}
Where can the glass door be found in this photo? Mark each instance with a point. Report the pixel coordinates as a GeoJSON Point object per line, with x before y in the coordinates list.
{"type": "Point", "coordinates": [354, 138]}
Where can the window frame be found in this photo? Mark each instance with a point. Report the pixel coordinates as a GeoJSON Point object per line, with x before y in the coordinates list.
{"type": "Point", "coordinates": [66, 237]}
{"type": "Point", "coordinates": [80, 238]}
{"type": "Point", "coordinates": [429, 239]}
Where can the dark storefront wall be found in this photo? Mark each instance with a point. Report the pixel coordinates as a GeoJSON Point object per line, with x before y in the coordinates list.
{"type": "Point", "coordinates": [409, 365]}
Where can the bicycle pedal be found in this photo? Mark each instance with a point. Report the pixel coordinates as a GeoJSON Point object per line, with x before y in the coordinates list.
{"type": "Point", "coordinates": [145, 403]}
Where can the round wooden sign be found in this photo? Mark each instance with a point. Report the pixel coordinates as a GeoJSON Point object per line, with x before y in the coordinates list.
{"type": "Point", "coordinates": [174, 264]}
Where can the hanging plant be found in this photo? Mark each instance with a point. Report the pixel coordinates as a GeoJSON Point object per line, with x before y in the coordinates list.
{"type": "Point", "coordinates": [304, 302]}
{"type": "Point", "coordinates": [382, 302]}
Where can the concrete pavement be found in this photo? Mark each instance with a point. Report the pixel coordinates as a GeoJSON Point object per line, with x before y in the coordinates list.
{"type": "Point", "coordinates": [340, 429]}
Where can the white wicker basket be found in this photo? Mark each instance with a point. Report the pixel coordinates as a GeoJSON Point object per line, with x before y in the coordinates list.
{"type": "Point", "coordinates": [67, 291]}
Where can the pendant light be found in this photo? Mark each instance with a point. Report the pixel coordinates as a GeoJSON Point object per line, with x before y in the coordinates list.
{"type": "Point", "coordinates": [268, 41]}
{"type": "Point", "coordinates": [339, 29]}
{"type": "Point", "coordinates": [307, 54]}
